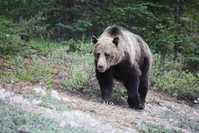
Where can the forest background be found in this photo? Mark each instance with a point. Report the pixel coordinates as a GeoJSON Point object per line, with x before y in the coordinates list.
{"type": "Point", "coordinates": [170, 28]}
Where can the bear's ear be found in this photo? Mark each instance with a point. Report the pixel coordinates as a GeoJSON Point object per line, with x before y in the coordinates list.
{"type": "Point", "coordinates": [94, 39]}
{"type": "Point", "coordinates": [116, 41]}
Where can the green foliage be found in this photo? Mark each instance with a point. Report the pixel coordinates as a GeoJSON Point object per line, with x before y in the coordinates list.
{"type": "Point", "coordinates": [80, 75]}
{"type": "Point", "coordinates": [80, 45]}
{"type": "Point", "coordinates": [169, 75]}
{"type": "Point", "coordinates": [24, 76]}
{"type": "Point", "coordinates": [10, 43]}
{"type": "Point", "coordinates": [69, 20]}
{"type": "Point", "coordinates": [157, 128]}
{"type": "Point", "coordinates": [32, 27]}
{"type": "Point", "coordinates": [180, 121]}
{"type": "Point", "coordinates": [14, 35]}
{"type": "Point", "coordinates": [190, 30]}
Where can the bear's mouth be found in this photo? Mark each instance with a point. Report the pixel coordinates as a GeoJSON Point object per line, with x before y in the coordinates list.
{"type": "Point", "coordinates": [101, 70]}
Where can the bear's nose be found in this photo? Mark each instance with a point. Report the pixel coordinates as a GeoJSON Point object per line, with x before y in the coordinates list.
{"type": "Point", "coordinates": [100, 67]}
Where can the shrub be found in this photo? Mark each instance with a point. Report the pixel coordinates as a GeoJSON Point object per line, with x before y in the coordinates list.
{"type": "Point", "coordinates": [10, 43]}
{"type": "Point", "coordinates": [13, 35]}
{"type": "Point", "coordinates": [169, 75]}
{"type": "Point", "coordinates": [80, 74]}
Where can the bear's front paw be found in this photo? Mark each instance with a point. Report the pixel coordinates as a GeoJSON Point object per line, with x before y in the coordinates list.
{"type": "Point", "coordinates": [107, 102]}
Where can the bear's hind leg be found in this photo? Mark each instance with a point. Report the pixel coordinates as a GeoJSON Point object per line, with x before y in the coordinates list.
{"type": "Point", "coordinates": [133, 99]}
{"type": "Point", "coordinates": [144, 81]}
{"type": "Point", "coordinates": [132, 85]}
{"type": "Point", "coordinates": [143, 89]}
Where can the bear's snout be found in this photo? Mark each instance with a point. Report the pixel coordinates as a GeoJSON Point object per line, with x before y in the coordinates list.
{"type": "Point", "coordinates": [101, 64]}
{"type": "Point", "coordinates": [100, 68]}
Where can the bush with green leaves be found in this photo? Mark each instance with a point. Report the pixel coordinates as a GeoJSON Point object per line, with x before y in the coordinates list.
{"type": "Point", "coordinates": [80, 74]}
{"type": "Point", "coordinates": [14, 34]}
{"type": "Point", "coordinates": [10, 43]}
{"type": "Point", "coordinates": [170, 75]}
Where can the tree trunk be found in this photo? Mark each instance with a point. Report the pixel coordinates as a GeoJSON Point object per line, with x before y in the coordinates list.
{"type": "Point", "coordinates": [177, 45]}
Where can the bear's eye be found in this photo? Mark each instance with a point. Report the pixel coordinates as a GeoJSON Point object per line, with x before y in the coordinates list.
{"type": "Point", "coordinates": [97, 55]}
{"type": "Point", "coordinates": [107, 55]}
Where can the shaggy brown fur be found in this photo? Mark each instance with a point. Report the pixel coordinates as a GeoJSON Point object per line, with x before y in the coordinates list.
{"type": "Point", "coordinates": [125, 56]}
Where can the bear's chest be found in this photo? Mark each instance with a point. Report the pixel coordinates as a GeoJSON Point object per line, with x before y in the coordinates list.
{"type": "Point", "coordinates": [116, 72]}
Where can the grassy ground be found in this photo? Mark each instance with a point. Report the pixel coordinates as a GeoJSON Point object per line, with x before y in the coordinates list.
{"type": "Point", "coordinates": [52, 66]}
{"type": "Point", "coordinates": [14, 120]}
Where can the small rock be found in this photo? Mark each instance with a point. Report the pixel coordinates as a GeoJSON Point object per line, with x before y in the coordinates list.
{"type": "Point", "coordinates": [55, 95]}
{"type": "Point", "coordinates": [195, 113]}
{"type": "Point", "coordinates": [12, 93]}
{"type": "Point", "coordinates": [141, 125]}
{"type": "Point", "coordinates": [66, 99]}
{"type": "Point", "coordinates": [3, 90]}
{"type": "Point", "coordinates": [2, 95]}
{"type": "Point", "coordinates": [36, 102]}
{"type": "Point", "coordinates": [25, 101]}
{"type": "Point", "coordinates": [171, 120]}
{"type": "Point", "coordinates": [196, 101]}
{"type": "Point", "coordinates": [7, 94]}
{"type": "Point", "coordinates": [164, 108]}
{"type": "Point", "coordinates": [38, 89]}
{"type": "Point", "coordinates": [17, 99]}
{"type": "Point", "coordinates": [62, 124]}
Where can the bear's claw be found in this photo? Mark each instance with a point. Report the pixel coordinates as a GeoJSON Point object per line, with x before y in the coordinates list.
{"type": "Point", "coordinates": [105, 102]}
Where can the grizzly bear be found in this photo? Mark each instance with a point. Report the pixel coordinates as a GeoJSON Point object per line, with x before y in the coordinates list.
{"type": "Point", "coordinates": [124, 56]}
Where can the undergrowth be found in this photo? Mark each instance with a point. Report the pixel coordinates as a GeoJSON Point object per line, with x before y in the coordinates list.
{"type": "Point", "coordinates": [170, 75]}
{"type": "Point", "coordinates": [180, 120]}
{"type": "Point", "coordinates": [35, 59]}
{"type": "Point", "coordinates": [80, 74]}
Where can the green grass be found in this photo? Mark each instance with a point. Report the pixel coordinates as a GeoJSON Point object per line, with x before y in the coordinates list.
{"type": "Point", "coordinates": [152, 128]}
{"type": "Point", "coordinates": [13, 119]}
{"type": "Point", "coordinates": [48, 102]}
{"type": "Point", "coordinates": [157, 128]}
{"type": "Point", "coordinates": [180, 120]}
{"type": "Point", "coordinates": [145, 127]}
{"type": "Point", "coordinates": [32, 66]}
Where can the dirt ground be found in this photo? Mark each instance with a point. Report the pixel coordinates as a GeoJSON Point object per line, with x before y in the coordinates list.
{"type": "Point", "coordinates": [92, 116]}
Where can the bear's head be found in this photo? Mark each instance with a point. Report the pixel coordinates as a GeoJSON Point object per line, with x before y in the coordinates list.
{"type": "Point", "coordinates": [107, 52]}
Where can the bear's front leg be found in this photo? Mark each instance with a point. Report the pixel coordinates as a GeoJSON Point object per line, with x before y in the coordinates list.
{"type": "Point", "coordinates": [105, 80]}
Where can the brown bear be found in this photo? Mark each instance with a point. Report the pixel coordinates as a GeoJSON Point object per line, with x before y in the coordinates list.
{"type": "Point", "coordinates": [124, 56]}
